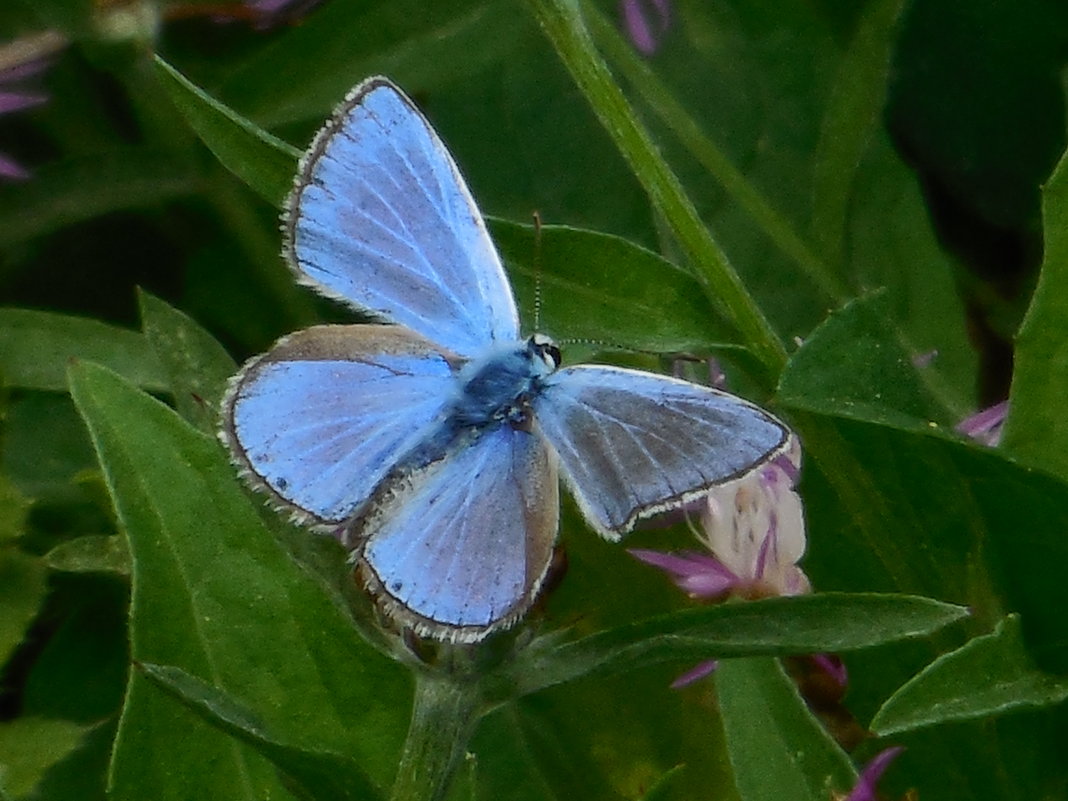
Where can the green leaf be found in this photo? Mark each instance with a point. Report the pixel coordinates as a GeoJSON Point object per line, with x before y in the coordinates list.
{"type": "Point", "coordinates": [261, 160]}
{"type": "Point", "coordinates": [826, 622]}
{"type": "Point", "coordinates": [604, 289]}
{"type": "Point", "coordinates": [80, 672]}
{"type": "Point", "coordinates": [36, 348]}
{"type": "Point", "coordinates": [45, 448]}
{"type": "Point", "coordinates": [850, 366]}
{"type": "Point", "coordinates": [778, 748]}
{"type": "Point", "coordinates": [318, 774]}
{"type": "Point", "coordinates": [91, 554]}
{"type": "Point", "coordinates": [563, 24]}
{"type": "Point", "coordinates": [990, 675]}
{"type": "Point", "coordinates": [736, 184]}
{"type": "Point", "coordinates": [665, 785]}
{"type": "Point", "coordinates": [916, 509]}
{"type": "Point", "coordinates": [14, 508]}
{"type": "Point", "coordinates": [197, 366]}
{"type": "Point", "coordinates": [86, 187]}
{"type": "Point", "coordinates": [422, 46]}
{"type": "Point", "coordinates": [853, 112]}
{"type": "Point", "coordinates": [1036, 429]}
{"type": "Point", "coordinates": [29, 747]}
{"type": "Point", "coordinates": [215, 595]}
{"type": "Point", "coordinates": [23, 587]}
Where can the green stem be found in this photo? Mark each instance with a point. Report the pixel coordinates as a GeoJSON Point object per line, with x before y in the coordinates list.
{"type": "Point", "coordinates": [656, 95]}
{"type": "Point", "coordinates": [444, 715]}
{"type": "Point", "coordinates": [563, 24]}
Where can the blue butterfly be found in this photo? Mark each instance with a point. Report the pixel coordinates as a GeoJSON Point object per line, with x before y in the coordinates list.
{"type": "Point", "coordinates": [436, 441]}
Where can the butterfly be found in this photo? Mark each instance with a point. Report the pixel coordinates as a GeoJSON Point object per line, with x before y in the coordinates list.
{"type": "Point", "coordinates": [434, 440]}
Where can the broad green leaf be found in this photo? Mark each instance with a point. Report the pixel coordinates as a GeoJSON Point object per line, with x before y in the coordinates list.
{"type": "Point", "coordinates": [665, 785]}
{"type": "Point", "coordinates": [197, 366]}
{"type": "Point", "coordinates": [80, 673]}
{"type": "Point", "coordinates": [990, 675]}
{"type": "Point", "coordinates": [92, 553]}
{"type": "Point", "coordinates": [13, 510]}
{"type": "Point", "coordinates": [29, 747]}
{"type": "Point", "coordinates": [1036, 429]}
{"type": "Point", "coordinates": [681, 122]}
{"type": "Point", "coordinates": [917, 510]}
{"type": "Point", "coordinates": [826, 622]}
{"type": "Point", "coordinates": [214, 595]}
{"type": "Point", "coordinates": [36, 348]}
{"type": "Point", "coordinates": [892, 244]}
{"type": "Point", "coordinates": [850, 366]}
{"type": "Point", "coordinates": [23, 585]}
{"type": "Point", "coordinates": [319, 774]}
{"type": "Point", "coordinates": [607, 738]}
{"type": "Point", "coordinates": [858, 95]}
{"type": "Point", "coordinates": [563, 24]}
{"type": "Point", "coordinates": [604, 289]}
{"type": "Point", "coordinates": [261, 160]}
{"type": "Point", "coordinates": [777, 746]}
{"type": "Point", "coordinates": [45, 448]}
{"type": "Point", "coordinates": [82, 774]}
{"type": "Point", "coordinates": [84, 188]}
{"type": "Point", "coordinates": [420, 45]}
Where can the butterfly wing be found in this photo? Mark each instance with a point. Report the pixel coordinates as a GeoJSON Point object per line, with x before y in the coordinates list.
{"type": "Point", "coordinates": [320, 419]}
{"type": "Point", "coordinates": [632, 444]}
{"type": "Point", "coordinates": [460, 547]}
{"type": "Point", "coordinates": [381, 218]}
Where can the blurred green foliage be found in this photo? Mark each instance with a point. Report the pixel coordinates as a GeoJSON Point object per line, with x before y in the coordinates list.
{"type": "Point", "coordinates": [881, 175]}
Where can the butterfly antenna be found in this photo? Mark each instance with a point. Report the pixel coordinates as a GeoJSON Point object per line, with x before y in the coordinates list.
{"type": "Point", "coordinates": [537, 271]}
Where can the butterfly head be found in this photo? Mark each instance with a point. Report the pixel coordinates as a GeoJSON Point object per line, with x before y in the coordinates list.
{"type": "Point", "coordinates": [544, 352]}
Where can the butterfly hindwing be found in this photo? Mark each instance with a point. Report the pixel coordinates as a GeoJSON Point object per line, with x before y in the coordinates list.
{"type": "Point", "coordinates": [381, 218]}
{"type": "Point", "coordinates": [632, 443]}
{"type": "Point", "coordinates": [319, 420]}
{"type": "Point", "coordinates": [459, 547]}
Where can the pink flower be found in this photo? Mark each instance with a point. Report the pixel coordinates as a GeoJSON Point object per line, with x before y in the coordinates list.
{"type": "Point", "coordinates": [985, 425]}
{"type": "Point", "coordinates": [645, 22]}
{"type": "Point", "coordinates": [15, 98]}
{"type": "Point", "coordinates": [262, 14]}
{"type": "Point", "coordinates": [754, 531]}
{"type": "Point", "coordinates": [873, 771]}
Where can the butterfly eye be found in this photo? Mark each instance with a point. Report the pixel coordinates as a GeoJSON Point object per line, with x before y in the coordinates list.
{"type": "Point", "coordinates": [546, 350]}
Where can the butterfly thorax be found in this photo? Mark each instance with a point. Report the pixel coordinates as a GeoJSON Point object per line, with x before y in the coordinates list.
{"type": "Point", "coordinates": [498, 387]}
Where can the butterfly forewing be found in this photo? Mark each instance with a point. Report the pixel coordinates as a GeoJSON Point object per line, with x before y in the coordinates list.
{"type": "Point", "coordinates": [320, 419]}
{"type": "Point", "coordinates": [632, 444]}
{"type": "Point", "coordinates": [381, 218]}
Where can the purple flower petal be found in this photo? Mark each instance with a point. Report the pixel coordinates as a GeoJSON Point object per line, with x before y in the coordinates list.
{"type": "Point", "coordinates": [833, 667]}
{"type": "Point", "coordinates": [643, 32]}
{"type": "Point", "coordinates": [12, 170]}
{"type": "Point", "coordinates": [697, 574]}
{"type": "Point", "coordinates": [695, 674]}
{"type": "Point", "coordinates": [873, 771]}
{"type": "Point", "coordinates": [16, 101]}
{"type": "Point", "coordinates": [24, 70]}
{"type": "Point", "coordinates": [985, 425]}
{"type": "Point", "coordinates": [921, 360]}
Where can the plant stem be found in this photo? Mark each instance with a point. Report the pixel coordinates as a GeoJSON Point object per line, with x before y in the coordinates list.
{"type": "Point", "coordinates": [659, 99]}
{"type": "Point", "coordinates": [563, 24]}
{"type": "Point", "coordinates": [444, 715]}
